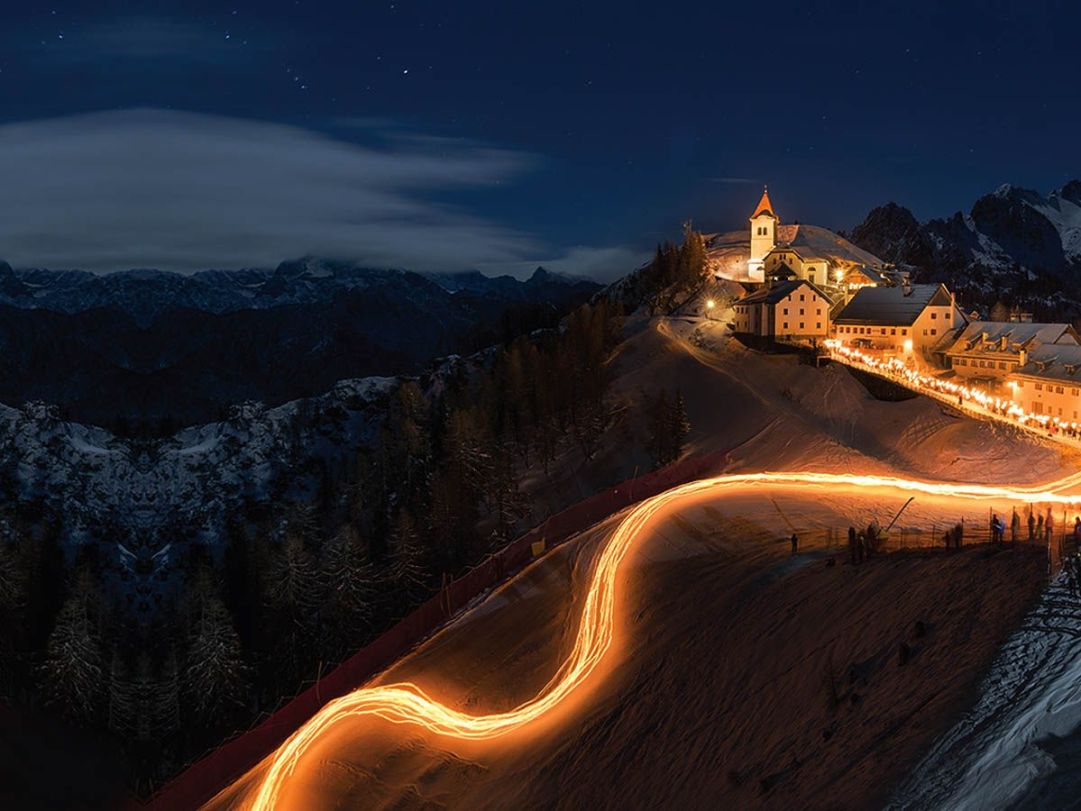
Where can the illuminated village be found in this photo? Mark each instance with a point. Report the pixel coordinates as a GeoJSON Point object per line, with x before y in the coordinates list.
{"type": "Point", "coordinates": [806, 286]}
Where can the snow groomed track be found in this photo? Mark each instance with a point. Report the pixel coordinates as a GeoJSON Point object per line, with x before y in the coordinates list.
{"type": "Point", "coordinates": [407, 703]}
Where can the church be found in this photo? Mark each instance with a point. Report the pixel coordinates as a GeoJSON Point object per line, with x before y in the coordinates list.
{"type": "Point", "coordinates": [810, 253]}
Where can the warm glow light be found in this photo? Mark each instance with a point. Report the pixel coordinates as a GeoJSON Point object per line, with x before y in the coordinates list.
{"type": "Point", "coordinates": [897, 371]}
{"type": "Point", "coordinates": [710, 304]}
{"type": "Point", "coordinates": [908, 345]}
{"type": "Point", "coordinates": [407, 703]}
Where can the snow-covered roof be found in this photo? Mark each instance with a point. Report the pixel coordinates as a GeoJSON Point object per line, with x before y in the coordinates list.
{"type": "Point", "coordinates": [779, 291]}
{"type": "Point", "coordinates": [813, 240]}
{"type": "Point", "coordinates": [1054, 362]}
{"type": "Point", "coordinates": [892, 306]}
{"type": "Point", "coordinates": [986, 337]}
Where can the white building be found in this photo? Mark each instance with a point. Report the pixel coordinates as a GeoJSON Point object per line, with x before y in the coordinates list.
{"type": "Point", "coordinates": [793, 310]}
{"type": "Point", "coordinates": [807, 252]}
{"type": "Point", "coordinates": [987, 351]}
{"type": "Point", "coordinates": [900, 320]}
{"type": "Point", "coordinates": [1049, 382]}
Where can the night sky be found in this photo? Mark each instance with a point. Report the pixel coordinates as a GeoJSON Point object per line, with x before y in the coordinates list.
{"type": "Point", "coordinates": [501, 135]}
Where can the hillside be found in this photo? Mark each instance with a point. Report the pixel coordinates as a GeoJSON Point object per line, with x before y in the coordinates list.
{"type": "Point", "coordinates": [719, 690]}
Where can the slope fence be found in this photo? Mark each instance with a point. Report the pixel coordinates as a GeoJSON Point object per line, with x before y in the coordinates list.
{"type": "Point", "coordinates": [206, 777]}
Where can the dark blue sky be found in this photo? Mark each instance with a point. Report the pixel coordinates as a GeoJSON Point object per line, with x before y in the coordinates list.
{"type": "Point", "coordinates": [621, 119]}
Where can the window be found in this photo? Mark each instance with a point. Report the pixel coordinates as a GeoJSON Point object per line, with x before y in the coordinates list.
{"type": "Point", "coordinates": [893, 330]}
{"type": "Point", "coordinates": [801, 296]}
{"type": "Point", "coordinates": [818, 325]}
{"type": "Point", "coordinates": [785, 325]}
{"type": "Point", "coordinates": [1075, 392]}
{"type": "Point", "coordinates": [818, 311]}
{"type": "Point", "coordinates": [801, 325]}
{"type": "Point", "coordinates": [1039, 387]}
{"type": "Point", "coordinates": [948, 315]}
{"type": "Point", "coordinates": [934, 331]}
{"type": "Point", "coordinates": [934, 316]}
{"type": "Point", "coordinates": [1002, 364]}
{"type": "Point", "coordinates": [959, 362]}
{"type": "Point", "coordinates": [1058, 389]}
{"type": "Point", "coordinates": [904, 332]}
{"type": "Point", "coordinates": [786, 311]}
{"type": "Point", "coordinates": [801, 311]}
{"type": "Point", "coordinates": [883, 330]}
{"type": "Point", "coordinates": [925, 332]}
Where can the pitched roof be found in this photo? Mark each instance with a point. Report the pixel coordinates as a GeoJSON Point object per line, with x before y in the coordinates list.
{"type": "Point", "coordinates": [981, 337]}
{"type": "Point", "coordinates": [813, 241]}
{"type": "Point", "coordinates": [764, 205]}
{"type": "Point", "coordinates": [780, 290]}
{"type": "Point", "coordinates": [1054, 362]}
{"type": "Point", "coordinates": [892, 306]}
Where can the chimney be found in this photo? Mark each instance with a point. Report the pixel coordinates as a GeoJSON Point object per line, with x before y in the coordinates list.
{"type": "Point", "coordinates": [906, 287]}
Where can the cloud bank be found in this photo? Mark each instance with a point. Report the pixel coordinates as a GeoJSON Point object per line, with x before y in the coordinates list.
{"type": "Point", "coordinates": [182, 191]}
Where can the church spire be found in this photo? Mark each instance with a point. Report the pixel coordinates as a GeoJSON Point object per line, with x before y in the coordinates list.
{"type": "Point", "coordinates": [764, 205]}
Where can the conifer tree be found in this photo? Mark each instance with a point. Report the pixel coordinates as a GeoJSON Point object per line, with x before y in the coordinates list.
{"type": "Point", "coordinates": [73, 669]}
{"type": "Point", "coordinates": [351, 588]}
{"type": "Point", "coordinates": [215, 678]}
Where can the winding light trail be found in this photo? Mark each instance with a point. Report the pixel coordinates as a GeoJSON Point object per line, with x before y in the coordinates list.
{"type": "Point", "coordinates": [407, 703]}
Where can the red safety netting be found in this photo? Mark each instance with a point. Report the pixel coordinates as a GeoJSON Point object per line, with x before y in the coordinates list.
{"type": "Point", "coordinates": [206, 777]}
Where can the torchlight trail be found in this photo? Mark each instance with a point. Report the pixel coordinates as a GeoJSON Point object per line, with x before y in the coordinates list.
{"type": "Point", "coordinates": [407, 703]}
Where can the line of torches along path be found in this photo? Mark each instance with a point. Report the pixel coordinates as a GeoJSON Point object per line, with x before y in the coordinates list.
{"type": "Point", "coordinates": [407, 703]}
{"type": "Point", "coordinates": [975, 398]}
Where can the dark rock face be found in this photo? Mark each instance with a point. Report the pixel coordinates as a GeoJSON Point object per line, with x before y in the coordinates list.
{"type": "Point", "coordinates": [1010, 218]}
{"type": "Point", "coordinates": [1015, 244]}
{"type": "Point", "coordinates": [892, 233]}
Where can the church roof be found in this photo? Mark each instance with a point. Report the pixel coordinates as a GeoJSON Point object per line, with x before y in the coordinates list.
{"type": "Point", "coordinates": [764, 206]}
{"type": "Point", "coordinates": [892, 306]}
{"type": "Point", "coordinates": [815, 241]}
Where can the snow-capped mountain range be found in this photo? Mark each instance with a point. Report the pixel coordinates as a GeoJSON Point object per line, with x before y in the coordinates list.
{"type": "Point", "coordinates": [145, 294]}
{"type": "Point", "coordinates": [145, 351]}
{"type": "Point", "coordinates": [1014, 242]}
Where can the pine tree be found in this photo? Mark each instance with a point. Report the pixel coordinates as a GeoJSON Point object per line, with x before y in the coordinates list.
{"type": "Point", "coordinates": [680, 427]}
{"type": "Point", "coordinates": [659, 428]}
{"type": "Point", "coordinates": [72, 669]}
{"type": "Point", "coordinates": [408, 572]}
{"type": "Point", "coordinates": [351, 586]}
{"type": "Point", "coordinates": [216, 677]}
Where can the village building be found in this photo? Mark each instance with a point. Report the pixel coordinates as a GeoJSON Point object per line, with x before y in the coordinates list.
{"type": "Point", "coordinates": [790, 311]}
{"type": "Point", "coordinates": [811, 253]}
{"type": "Point", "coordinates": [904, 320]}
{"type": "Point", "coordinates": [987, 351]}
{"type": "Point", "coordinates": [1049, 382]}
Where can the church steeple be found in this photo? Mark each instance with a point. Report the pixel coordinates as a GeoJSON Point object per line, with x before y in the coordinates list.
{"type": "Point", "coordinates": [764, 205]}
{"type": "Point", "coordinates": [763, 234]}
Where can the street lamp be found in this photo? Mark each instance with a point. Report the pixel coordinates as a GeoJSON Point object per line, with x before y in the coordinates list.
{"type": "Point", "coordinates": [710, 304]}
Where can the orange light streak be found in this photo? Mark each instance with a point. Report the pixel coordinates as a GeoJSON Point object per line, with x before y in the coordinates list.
{"type": "Point", "coordinates": [407, 703]}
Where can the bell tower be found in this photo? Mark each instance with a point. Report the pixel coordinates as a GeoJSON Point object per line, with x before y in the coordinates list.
{"type": "Point", "coordinates": [763, 233]}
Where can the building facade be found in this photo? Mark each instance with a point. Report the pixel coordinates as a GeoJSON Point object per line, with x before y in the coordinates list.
{"type": "Point", "coordinates": [1049, 382]}
{"type": "Point", "coordinates": [794, 310]}
{"type": "Point", "coordinates": [988, 351]}
{"type": "Point", "coordinates": [904, 320]}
